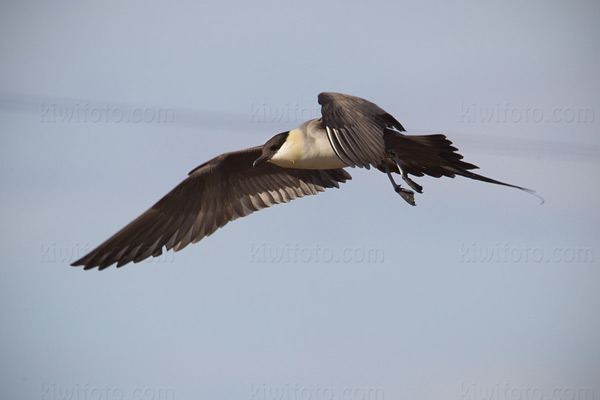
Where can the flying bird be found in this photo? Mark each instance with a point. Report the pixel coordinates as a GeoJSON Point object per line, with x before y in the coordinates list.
{"type": "Point", "coordinates": [352, 132]}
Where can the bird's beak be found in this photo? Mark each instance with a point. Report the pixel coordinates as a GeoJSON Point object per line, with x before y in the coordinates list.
{"type": "Point", "coordinates": [259, 161]}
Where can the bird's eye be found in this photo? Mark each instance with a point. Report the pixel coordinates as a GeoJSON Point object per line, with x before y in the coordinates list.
{"type": "Point", "coordinates": [275, 147]}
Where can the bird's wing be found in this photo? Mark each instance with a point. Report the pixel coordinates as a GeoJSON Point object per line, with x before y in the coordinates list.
{"type": "Point", "coordinates": [218, 191]}
{"type": "Point", "coordinates": [355, 128]}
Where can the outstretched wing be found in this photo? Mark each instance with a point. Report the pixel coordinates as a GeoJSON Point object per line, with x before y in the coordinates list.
{"type": "Point", "coordinates": [218, 191]}
{"type": "Point", "coordinates": [355, 128]}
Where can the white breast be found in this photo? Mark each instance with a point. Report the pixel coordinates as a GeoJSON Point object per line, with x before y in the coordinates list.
{"type": "Point", "coordinates": [307, 147]}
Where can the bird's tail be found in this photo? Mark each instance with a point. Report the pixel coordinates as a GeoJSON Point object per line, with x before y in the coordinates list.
{"type": "Point", "coordinates": [433, 155]}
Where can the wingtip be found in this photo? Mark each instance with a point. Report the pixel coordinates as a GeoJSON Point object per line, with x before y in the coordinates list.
{"type": "Point", "coordinates": [82, 263]}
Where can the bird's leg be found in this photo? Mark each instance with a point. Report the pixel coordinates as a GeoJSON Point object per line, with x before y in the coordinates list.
{"type": "Point", "coordinates": [418, 188]}
{"type": "Point", "coordinates": [407, 195]}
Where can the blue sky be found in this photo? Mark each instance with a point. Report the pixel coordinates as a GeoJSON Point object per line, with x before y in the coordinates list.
{"type": "Point", "coordinates": [349, 294]}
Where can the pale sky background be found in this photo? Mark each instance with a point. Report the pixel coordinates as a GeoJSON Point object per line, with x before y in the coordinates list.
{"type": "Point", "coordinates": [514, 84]}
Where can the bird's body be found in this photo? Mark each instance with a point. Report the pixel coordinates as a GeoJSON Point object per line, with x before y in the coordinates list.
{"type": "Point", "coordinates": [352, 132]}
{"type": "Point", "coordinates": [307, 147]}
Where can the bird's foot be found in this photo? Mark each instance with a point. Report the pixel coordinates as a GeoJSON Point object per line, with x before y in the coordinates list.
{"type": "Point", "coordinates": [418, 188]}
{"type": "Point", "coordinates": [407, 195]}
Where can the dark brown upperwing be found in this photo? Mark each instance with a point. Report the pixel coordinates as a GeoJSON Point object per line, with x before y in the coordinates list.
{"type": "Point", "coordinates": [218, 191]}
{"type": "Point", "coordinates": [355, 128]}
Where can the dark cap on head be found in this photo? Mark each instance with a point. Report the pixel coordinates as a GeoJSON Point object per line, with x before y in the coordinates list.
{"type": "Point", "coordinates": [271, 147]}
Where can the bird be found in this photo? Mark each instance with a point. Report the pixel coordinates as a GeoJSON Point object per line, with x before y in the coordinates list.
{"type": "Point", "coordinates": [351, 132]}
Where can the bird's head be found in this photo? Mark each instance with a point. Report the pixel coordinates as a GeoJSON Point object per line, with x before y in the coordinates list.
{"type": "Point", "coordinates": [271, 147]}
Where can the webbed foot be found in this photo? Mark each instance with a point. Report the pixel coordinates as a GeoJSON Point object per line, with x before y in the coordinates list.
{"type": "Point", "coordinates": [407, 195]}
